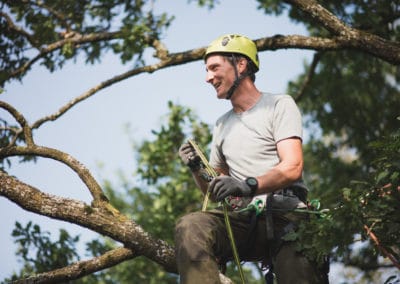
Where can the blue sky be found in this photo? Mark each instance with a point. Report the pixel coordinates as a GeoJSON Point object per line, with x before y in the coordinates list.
{"type": "Point", "coordinates": [94, 131]}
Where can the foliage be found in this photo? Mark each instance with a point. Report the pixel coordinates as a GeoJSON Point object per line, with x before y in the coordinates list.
{"type": "Point", "coordinates": [164, 190]}
{"type": "Point", "coordinates": [44, 23]}
{"type": "Point", "coordinates": [167, 189]}
{"type": "Point", "coordinates": [365, 207]}
{"type": "Point", "coordinates": [39, 253]}
{"type": "Point", "coordinates": [351, 101]}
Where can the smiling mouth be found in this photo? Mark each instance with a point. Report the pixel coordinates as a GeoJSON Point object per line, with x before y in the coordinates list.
{"type": "Point", "coordinates": [216, 86]}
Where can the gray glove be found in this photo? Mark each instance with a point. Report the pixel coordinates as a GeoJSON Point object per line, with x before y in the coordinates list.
{"type": "Point", "coordinates": [224, 186]}
{"type": "Point", "coordinates": [189, 156]}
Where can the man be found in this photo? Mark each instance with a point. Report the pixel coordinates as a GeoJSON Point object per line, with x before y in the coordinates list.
{"type": "Point", "coordinates": [257, 151]}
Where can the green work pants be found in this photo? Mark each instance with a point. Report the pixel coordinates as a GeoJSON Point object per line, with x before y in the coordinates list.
{"type": "Point", "coordinates": [201, 239]}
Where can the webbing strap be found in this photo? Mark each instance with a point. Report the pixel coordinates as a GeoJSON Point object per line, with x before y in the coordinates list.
{"type": "Point", "coordinates": [268, 217]}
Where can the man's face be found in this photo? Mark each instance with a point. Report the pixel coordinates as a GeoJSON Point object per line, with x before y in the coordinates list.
{"type": "Point", "coordinates": [220, 74]}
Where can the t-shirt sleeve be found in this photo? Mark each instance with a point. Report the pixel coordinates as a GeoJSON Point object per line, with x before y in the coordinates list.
{"type": "Point", "coordinates": [287, 121]}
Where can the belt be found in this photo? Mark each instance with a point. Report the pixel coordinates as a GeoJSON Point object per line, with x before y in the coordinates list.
{"type": "Point", "coordinates": [299, 192]}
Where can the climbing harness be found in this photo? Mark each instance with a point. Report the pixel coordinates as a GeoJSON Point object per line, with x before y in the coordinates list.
{"type": "Point", "coordinates": [208, 174]}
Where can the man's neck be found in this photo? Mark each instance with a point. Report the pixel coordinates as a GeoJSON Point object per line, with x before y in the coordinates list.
{"type": "Point", "coordinates": [245, 96]}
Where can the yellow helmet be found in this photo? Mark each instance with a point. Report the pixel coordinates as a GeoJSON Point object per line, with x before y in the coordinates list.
{"type": "Point", "coordinates": [233, 43]}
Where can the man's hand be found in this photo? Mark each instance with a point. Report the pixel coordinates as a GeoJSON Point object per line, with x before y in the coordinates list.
{"type": "Point", "coordinates": [224, 186]}
{"type": "Point", "coordinates": [189, 156]}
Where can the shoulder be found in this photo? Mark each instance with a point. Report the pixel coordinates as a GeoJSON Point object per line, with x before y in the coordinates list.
{"type": "Point", "coordinates": [279, 103]}
{"type": "Point", "coordinates": [223, 118]}
{"type": "Point", "coordinates": [273, 99]}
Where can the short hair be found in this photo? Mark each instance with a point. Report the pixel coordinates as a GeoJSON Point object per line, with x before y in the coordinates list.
{"type": "Point", "coordinates": [251, 67]}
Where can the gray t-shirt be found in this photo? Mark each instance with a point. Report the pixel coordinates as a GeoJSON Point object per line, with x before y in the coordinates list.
{"type": "Point", "coordinates": [245, 143]}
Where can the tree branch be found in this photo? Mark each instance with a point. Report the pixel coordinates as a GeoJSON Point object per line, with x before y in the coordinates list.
{"type": "Point", "coordinates": [59, 16]}
{"type": "Point", "coordinates": [22, 121]}
{"type": "Point", "coordinates": [109, 223]}
{"type": "Point", "coordinates": [380, 247]}
{"type": "Point", "coordinates": [73, 38]}
{"type": "Point", "coordinates": [172, 60]}
{"type": "Point", "coordinates": [12, 26]}
{"type": "Point", "coordinates": [350, 37]}
{"type": "Point", "coordinates": [81, 268]}
{"type": "Point", "coordinates": [309, 76]}
{"type": "Point", "coordinates": [325, 18]}
{"type": "Point", "coordinates": [99, 199]}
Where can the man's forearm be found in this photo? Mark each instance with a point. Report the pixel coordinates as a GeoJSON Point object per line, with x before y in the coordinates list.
{"type": "Point", "coordinates": [279, 177]}
{"type": "Point", "coordinates": [200, 181]}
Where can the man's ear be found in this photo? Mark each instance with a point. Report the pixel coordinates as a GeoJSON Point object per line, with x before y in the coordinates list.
{"type": "Point", "coordinates": [242, 65]}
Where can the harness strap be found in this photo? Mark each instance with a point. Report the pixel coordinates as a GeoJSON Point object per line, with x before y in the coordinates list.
{"type": "Point", "coordinates": [274, 248]}
{"type": "Point", "coordinates": [268, 217]}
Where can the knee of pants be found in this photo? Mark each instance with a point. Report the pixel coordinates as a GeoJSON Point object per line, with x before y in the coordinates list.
{"type": "Point", "coordinates": [193, 238]}
{"type": "Point", "coordinates": [191, 226]}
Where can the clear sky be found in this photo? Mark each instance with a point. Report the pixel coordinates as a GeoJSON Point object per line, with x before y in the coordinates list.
{"type": "Point", "coordinates": [94, 131]}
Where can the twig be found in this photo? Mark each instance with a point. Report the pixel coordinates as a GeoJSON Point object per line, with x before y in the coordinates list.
{"type": "Point", "coordinates": [310, 75]}
{"type": "Point", "coordinates": [381, 248]}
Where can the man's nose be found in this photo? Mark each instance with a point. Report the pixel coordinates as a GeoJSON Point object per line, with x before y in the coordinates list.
{"type": "Point", "coordinates": [209, 77]}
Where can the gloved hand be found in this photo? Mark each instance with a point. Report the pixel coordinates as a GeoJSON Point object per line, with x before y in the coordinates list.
{"type": "Point", "coordinates": [224, 186]}
{"type": "Point", "coordinates": [189, 156]}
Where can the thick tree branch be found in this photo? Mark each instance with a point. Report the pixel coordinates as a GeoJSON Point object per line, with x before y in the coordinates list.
{"type": "Point", "coordinates": [384, 49]}
{"type": "Point", "coordinates": [350, 37]}
{"type": "Point", "coordinates": [81, 268]}
{"type": "Point", "coordinates": [325, 18]}
{"type": "Point", "coordinates": [101, 220]}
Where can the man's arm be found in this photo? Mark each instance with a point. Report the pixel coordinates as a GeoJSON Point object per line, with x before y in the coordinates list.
{"type": "Point", "coordinates": [288, 170]}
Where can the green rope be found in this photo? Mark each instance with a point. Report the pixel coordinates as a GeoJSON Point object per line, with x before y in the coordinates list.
{"type": "Point", "coordinates": [233, 244]}
{"type": "Point", "coordinates": [212, 173]}
{"type": "Point", "coordinates": [314, 203]}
